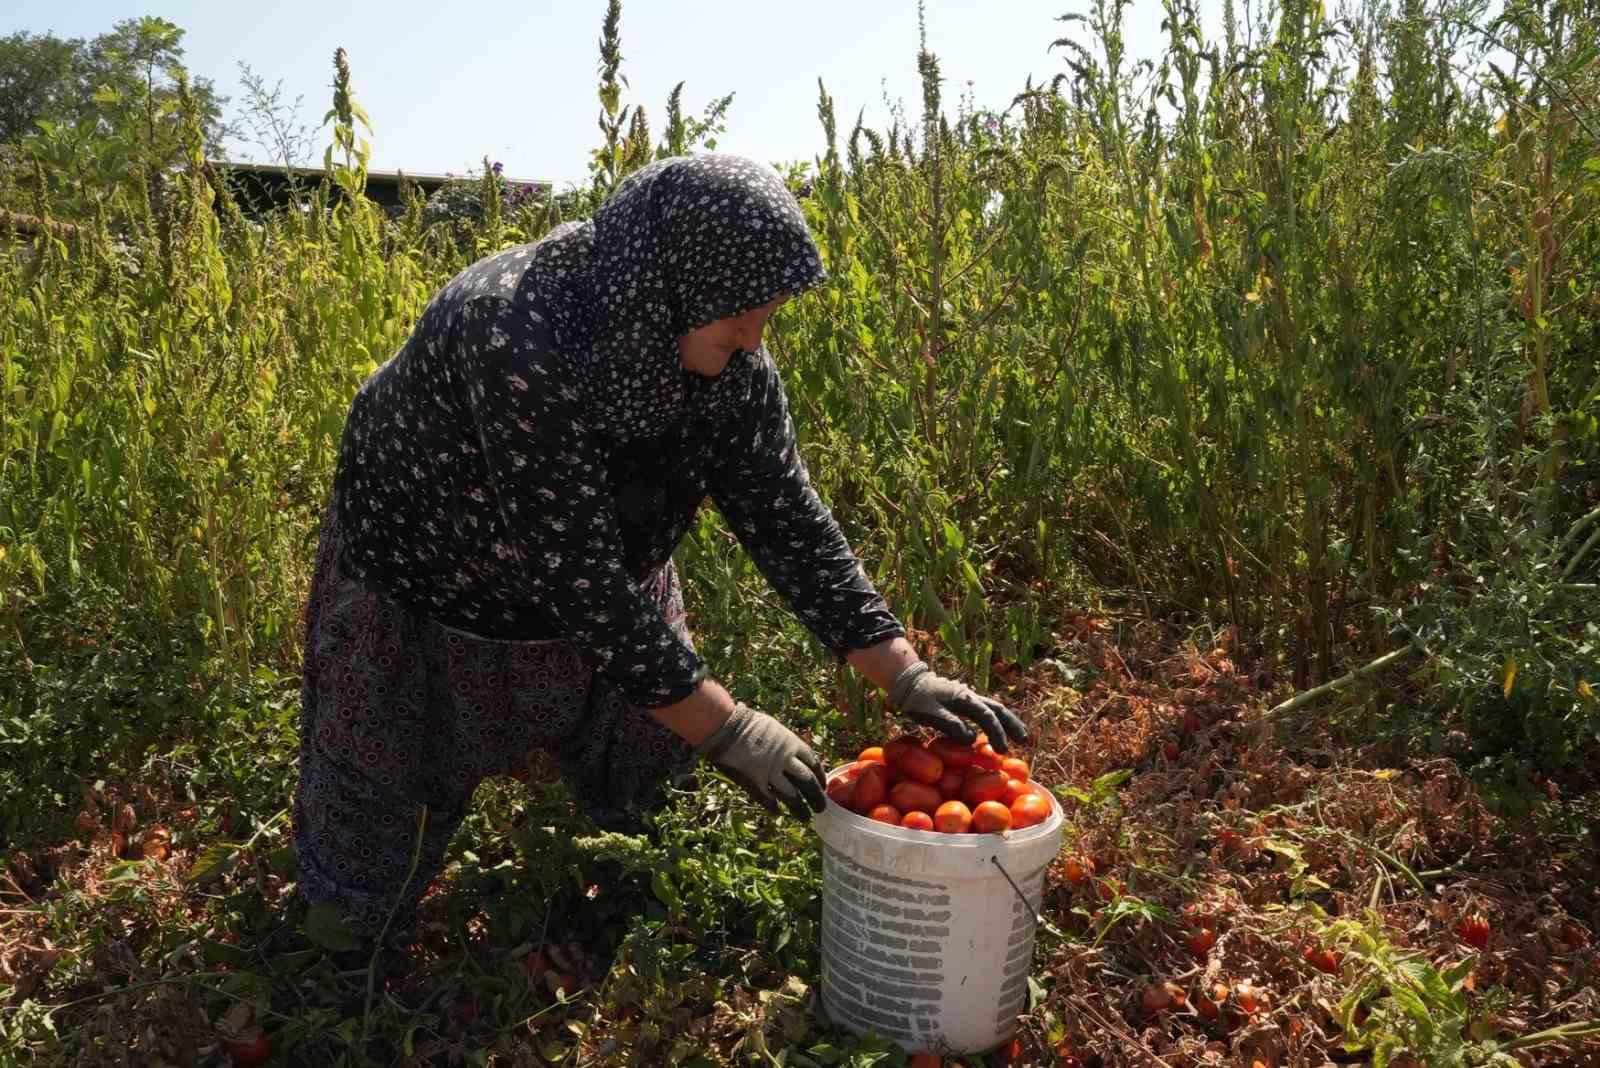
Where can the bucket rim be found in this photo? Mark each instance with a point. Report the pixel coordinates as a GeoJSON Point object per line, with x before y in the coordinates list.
{"type": "Point", "coordinates": [860, 823]}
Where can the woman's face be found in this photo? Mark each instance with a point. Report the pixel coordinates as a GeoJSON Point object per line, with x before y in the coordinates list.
{"type": "Point", "coordinates": [706, 350]}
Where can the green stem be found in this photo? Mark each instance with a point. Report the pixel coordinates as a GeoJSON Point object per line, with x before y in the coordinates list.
{"type": "Point", "coordinates": [1302, 699]}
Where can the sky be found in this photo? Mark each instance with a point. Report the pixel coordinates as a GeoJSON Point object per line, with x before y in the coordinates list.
{"type": "Point", "coordinates": [447, 85]}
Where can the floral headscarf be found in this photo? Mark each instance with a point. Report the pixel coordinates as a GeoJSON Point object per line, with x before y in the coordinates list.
{"type": "Point", "coordinates": [682, 243]}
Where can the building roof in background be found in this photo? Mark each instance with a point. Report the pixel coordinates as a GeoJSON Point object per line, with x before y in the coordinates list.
{"type": "Point", "coordinates": [422, 178]}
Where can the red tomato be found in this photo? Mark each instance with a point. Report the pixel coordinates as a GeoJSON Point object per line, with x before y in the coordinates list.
{"type": "Point", "coordinates": [925, 1060]}
{"type": "Point", "coordinates": [983, 786]}
{"type": "Point", "coordinates": [950, 783]}
{"type": "Point", "coordinates": [921, 765]}
{"type": "Point", "coordinates": [991, 817]}
{"type": "Point", "coordinates": [871, 788]}
{"type": "Point", "coordinates": [1474, 931]}
{"type": "Point", "coordinates": [872, 754]}
{"type": "Point", "coordinates": [985, 757]}
{"type": "Point", "coordinates": [1201, 940]}
{"type": "Point", "coordinates": [885, 814]}
{"type": "Point", "coordinates": [1248, 997]}
{"type": "Point", "coordinates": [1323, 960]}
{"type": "Point", "coordinates": [954, 754]}
{"type": "Point", "coordinates": [842, 791]}
{"type": "Point", "coordinates": [251, 1047]}
{"type": "Point", "coordinates": [911, 796]}
{"type": "Point", "coordinates": [917, 821]}
{"type": "Point", "coordinates": [1015, 788]}
{"type": "Point", "coordinates": [952, 818]}
{"type": "Point", "coordinates": [1009, 1054]}
{"type": "Point", "coordinates": [1028, 810]}
{"type": "Point", "coordinates": [1077, 869]}
{"type": "Point", "coordinates": [1165, 995]}
{"type": "Point", "coordinates": [897, 747]}
{"type": "Point", "coordinates": [1014, 768]}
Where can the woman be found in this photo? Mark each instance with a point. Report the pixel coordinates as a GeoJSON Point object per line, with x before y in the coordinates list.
{"type": "Point", "coordinates": [495, 566]}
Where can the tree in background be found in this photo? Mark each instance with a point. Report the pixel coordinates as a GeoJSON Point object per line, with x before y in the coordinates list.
{"type": "Point", "coordinates": [99, 119]}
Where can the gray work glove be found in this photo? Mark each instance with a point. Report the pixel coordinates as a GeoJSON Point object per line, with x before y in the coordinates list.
{"type": "Point", "coordinates": [941, 703]}
{"type": "Point", "coordinates": [769, 761]}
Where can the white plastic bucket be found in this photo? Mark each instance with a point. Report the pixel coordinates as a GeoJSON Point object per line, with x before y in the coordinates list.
{"type": "Point", "coordinates": [924, 940]}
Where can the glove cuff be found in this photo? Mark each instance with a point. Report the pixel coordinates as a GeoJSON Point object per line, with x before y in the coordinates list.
{"type": "Point", "coordinates": [713, 747]}
{"type": "Point", "coordinates": [900, 689]}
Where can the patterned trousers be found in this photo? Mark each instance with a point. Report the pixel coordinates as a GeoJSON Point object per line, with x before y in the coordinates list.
{"type": "Point", "coordinates": [400, 712]}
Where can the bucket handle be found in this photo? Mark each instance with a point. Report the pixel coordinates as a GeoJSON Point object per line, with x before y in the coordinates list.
{"type": "Point", "coordinates": [1038, 917]}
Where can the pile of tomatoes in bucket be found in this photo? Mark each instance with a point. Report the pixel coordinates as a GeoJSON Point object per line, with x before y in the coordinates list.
{"type": "Point", "coordinates": [943, 786]}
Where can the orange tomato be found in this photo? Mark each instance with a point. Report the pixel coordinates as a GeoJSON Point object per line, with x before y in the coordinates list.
{"type": "Point", "coordinates": [1077, 869]}
{"type": "Point", "coordinates": [991, 817]}
{"type": "Point", "coordinates": [950, 783]}
{"type": "Point", "coordinates": [1028, 810]}
{"type": "Point", "coordinates": [1015, 788]}
{"type": "Point", "coordinates": [983, 786]}
{"type": "Point", "coordinates": [885, 814]}
{"type": "Point", "coordinates": [954, 754]}
{"type": "Point", "coordinates": [917, 821]}
{"type": "Point", "coordinates": [921, 765]}
{"type": "Point", "coordinates": [873, 753]}
{"type": "Point", "coordinates": [871, 788]}
{"type": "Point", "coordinates": [985, 757]}
{"type": "Point", "coordinates": [952, 818]}
{"type": "Point", "coordinates": [1015, 768]}
{"type": "Point", "coordinates": [911, 796]}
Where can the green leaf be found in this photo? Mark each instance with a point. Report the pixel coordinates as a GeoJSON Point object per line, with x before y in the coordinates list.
{"type": "Point", "coordinates": [218, 859]}
{"type": "Point", "coordinates": [325, 927]}
{"type": "Point", "coordinates": [222, 953]}
{"type": "Point", "coordinates": [665, 892]}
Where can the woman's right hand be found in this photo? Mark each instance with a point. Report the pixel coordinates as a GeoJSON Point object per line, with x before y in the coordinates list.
{"type": "Point", "coordinates": [769, 761]}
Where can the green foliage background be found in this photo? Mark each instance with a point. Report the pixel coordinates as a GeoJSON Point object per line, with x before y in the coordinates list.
{"type": "Point", "coordinates": [1293, 331]}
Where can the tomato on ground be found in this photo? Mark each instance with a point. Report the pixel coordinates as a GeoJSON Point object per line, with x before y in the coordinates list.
{"type": "Point", "coordinates": [250, 1048]}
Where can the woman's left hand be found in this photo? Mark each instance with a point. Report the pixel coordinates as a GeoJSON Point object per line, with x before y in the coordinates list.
{"type": "Point", "coordinates": [945, 705]}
